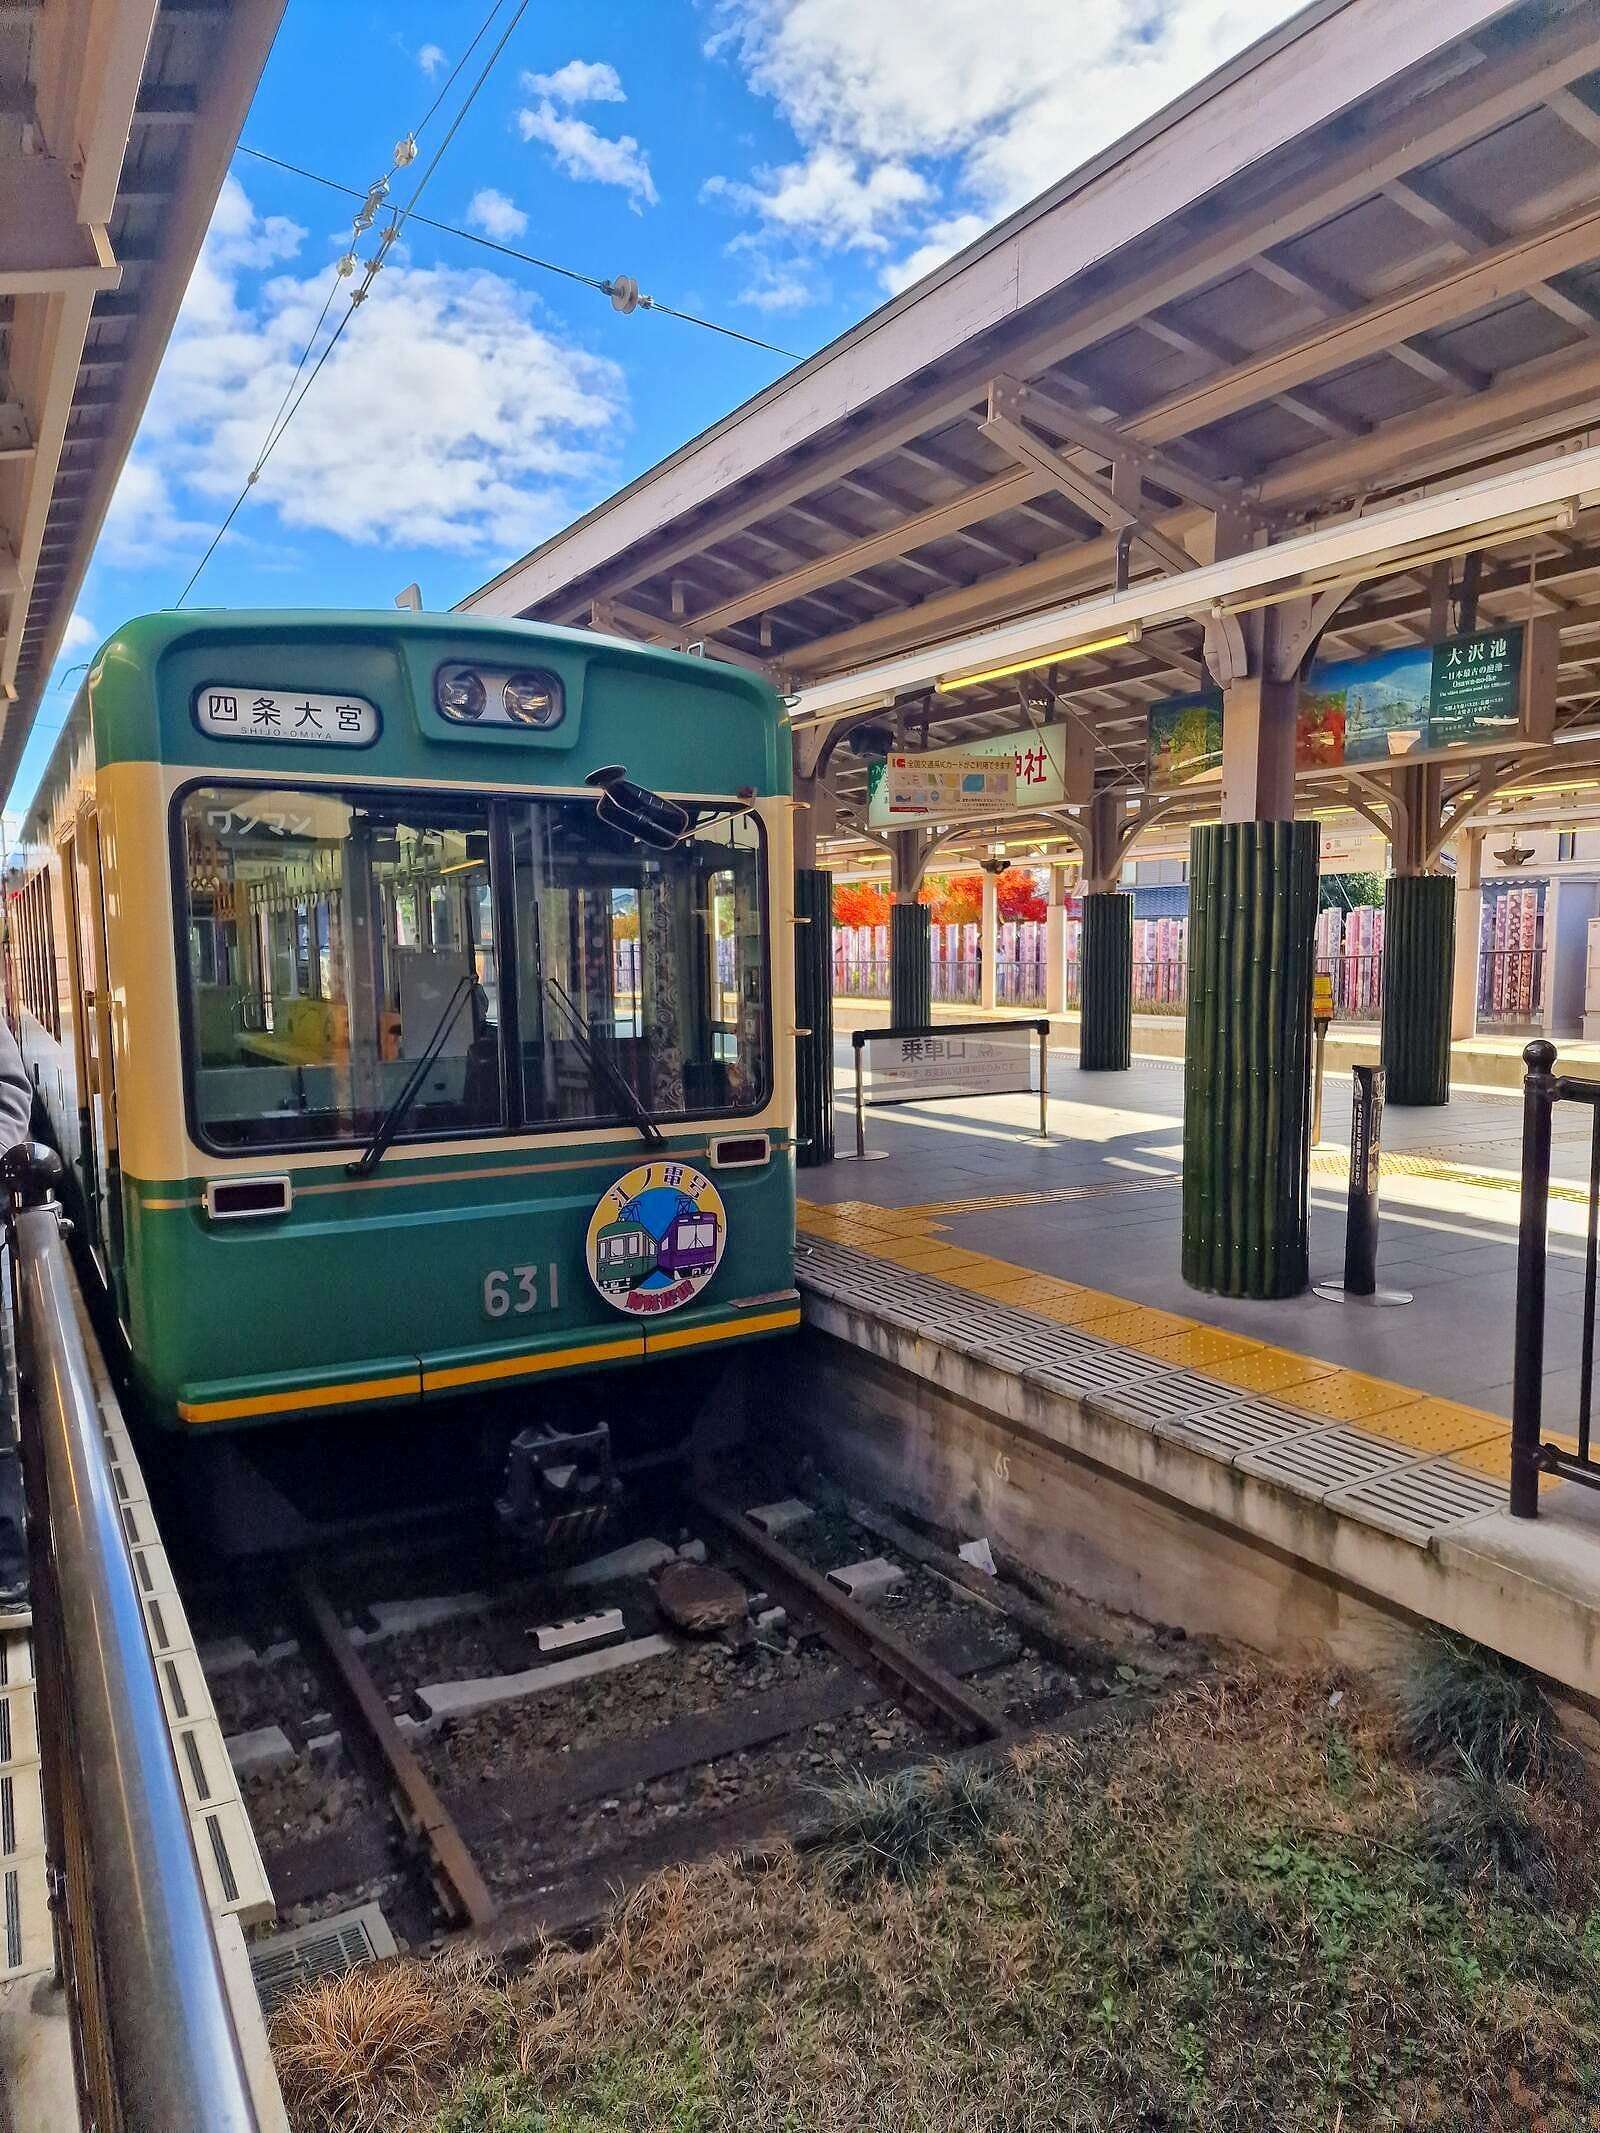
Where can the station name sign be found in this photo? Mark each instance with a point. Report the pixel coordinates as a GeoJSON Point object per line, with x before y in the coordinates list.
{"type": "Point", "coordinates": [229, 712]}
{"type": "Point", "coordinates": [1469, 693]}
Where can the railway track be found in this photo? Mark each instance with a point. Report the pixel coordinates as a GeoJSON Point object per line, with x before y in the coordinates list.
{"type": "Point", "coordinates": [495, 1808]}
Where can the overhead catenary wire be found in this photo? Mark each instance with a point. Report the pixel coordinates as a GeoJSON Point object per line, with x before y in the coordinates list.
{"type": "Point", "coordinates": [601, 284]}
{"type": "Point", "coordinates": [404, 153]}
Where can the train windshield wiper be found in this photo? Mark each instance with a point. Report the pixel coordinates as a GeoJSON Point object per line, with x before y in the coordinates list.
{"type": "Point", "coordinates": [394, 1118]}
{"type": "Point", "coordinates": [594, 1058]}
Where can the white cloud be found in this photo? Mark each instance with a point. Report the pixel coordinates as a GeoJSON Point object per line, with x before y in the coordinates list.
{"type": "Point", "coordinates": [778, 289]}
{"type": "Point", "coordinates": [580, 81]}
{"type": "Point", "coordinates": [988, 117]}
{"type": "Point", "coordinates": [939, 241]}
{"type": "Point", "coordinates": [80, 635]}
{"type": "Point", "coordinates": [430, 59]}
{"type": "Point", "coordinates": [448, 416]}
{"type": "Point", "coordinates": [830, 200]}
{"type": "Point", "coordinates": [144, 521]}
{"type": "Point", "coordinates": [496, 215]}
{"type": "Point", "coordinates": [581, 152]}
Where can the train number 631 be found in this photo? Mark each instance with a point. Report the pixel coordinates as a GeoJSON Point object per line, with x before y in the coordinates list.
{"type": "Point", "coordinates": [514, 1291]}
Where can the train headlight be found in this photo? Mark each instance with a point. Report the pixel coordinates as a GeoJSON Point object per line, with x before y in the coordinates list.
{"type": "Point", "coordinates": [460, 693]}
{"type": "Point", "coordinates": [533, 699]}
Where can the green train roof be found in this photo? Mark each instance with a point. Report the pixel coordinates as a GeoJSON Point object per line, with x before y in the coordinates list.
{"type": "Point", "coordinates": [713, 717]}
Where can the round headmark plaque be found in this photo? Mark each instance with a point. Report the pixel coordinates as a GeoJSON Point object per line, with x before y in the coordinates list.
{"type": "Point", "coordinates": [656, 1238]}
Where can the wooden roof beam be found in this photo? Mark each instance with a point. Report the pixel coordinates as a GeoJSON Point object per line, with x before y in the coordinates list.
{"type": "Point", "coordinates": [1576, 112]}
{"type": "Point", "coordinates": [1466, 227]}
{"type": "Point", "coordinates": [1007, 428]}
{"type": "Point", "coordinates": [1479, 281]}
{"type": "Point", "coordinates": [1037, 404]}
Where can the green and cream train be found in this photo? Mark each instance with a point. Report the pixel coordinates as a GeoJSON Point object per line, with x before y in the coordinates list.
{"type": "Point", "coordinates": [376, 973]}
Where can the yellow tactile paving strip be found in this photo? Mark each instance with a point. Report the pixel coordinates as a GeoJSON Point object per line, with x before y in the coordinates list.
{"type": "Point", "coordinates": [914, 1238]}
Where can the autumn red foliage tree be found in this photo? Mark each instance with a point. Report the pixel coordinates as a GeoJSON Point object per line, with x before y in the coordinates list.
{"type": "Point", "coordinates": [860, 903]}
{"type": "Point", "coordinates": [1020, 896]}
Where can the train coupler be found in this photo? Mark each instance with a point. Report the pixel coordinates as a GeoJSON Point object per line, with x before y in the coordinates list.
{"type": "Point", "coordinates": [559, 1489]}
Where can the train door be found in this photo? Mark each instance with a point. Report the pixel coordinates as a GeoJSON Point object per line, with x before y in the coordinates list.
{"type": "Point", "coordinates": [98, 1099]}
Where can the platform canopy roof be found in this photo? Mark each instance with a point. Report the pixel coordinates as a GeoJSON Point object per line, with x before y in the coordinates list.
{"type": "Point", "coordinates": [1354, 273]}
{"type": "Point", "coordinates": [117, 120]}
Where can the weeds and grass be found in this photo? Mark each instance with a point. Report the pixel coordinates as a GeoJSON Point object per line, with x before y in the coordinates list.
{"type": "Point", "coordinates": [365, 2052]}
{"type": "Point", "coordinates": [1233, 1917]}
{"type": "Point", "coordinates": [1459, 1701]}
{"type": "Point", "coordinates": [901, 1825]}
{"type": "Point", "coordinates": [1489, 1829]}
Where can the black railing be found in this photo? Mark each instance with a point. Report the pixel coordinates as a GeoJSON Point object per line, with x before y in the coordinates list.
{"type": "Point", "coordinates": [1532, 1453]}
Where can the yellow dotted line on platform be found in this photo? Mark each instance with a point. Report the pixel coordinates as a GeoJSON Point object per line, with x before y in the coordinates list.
{"type": "Point", "coordinates": [910, 1237]}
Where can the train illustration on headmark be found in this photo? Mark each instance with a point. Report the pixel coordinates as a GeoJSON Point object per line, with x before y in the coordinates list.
{"type": "Point", "coordinates": [628, 1254]}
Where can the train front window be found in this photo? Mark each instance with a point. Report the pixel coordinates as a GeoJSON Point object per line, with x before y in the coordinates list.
{"type": "Point", "coordinates": [332, 945]}
{"type": "Point", "coordinates": [332, 942]}
{"type": "Point", "coordinates": [648, 963]}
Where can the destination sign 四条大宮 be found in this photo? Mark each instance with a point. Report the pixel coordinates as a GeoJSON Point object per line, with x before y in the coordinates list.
{"type": "Point", "coordinates": [227, 711]}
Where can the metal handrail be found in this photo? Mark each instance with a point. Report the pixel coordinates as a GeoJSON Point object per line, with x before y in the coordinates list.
{"type": "Point", "coordinates": [173, 2045]}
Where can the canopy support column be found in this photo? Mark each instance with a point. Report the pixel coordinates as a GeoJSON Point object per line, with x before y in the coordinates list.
{"type": "Point", "coordinates": [1252, 911]}
{"type": "Point", "coordinates": [910, 956]}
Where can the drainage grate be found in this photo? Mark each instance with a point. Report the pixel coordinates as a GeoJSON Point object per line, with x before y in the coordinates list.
{"type": "Point", "coordinates": [1229, 1426]}
{"type": "Point", "coordinates": [1170, 1396]}
{"type": "Point", "coordinates": [328, 1948]}
{"type": "Point", "coordinates": [1325, 1460]}
{"type": "Point", "coordinates": [1418, 1501]}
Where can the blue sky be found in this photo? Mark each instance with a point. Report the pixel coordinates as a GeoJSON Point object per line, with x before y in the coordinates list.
{"type": "Point", "coordinates": [779, 165]}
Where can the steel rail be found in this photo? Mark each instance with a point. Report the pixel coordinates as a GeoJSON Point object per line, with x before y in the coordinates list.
{"type": "Point", "coordinates": [174, 2047]}
{"type": "Point", "coordinates": [423, 1816]}
{"type": "Point", "coordinates": [908, 1675]}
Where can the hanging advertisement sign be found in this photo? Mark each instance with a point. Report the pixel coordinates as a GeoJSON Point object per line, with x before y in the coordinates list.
{"type": "Point", "coordinates": [1036, 759]}
{"type": "Point", "coordinates": [948, 786]}
{"type": "Point", "coordinates": [1420, 700]}
{"type": "Point", "coordinates": [1185, 739]}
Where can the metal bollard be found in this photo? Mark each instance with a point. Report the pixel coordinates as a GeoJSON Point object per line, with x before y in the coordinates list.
{"type": "Point", "coordinates": [1360, 1280]}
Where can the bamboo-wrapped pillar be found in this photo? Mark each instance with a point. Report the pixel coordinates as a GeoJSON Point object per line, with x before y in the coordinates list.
{"type": "Point", "coordinates": [1252, 915]}
{"type": "Point", "coordinates": [910, 943]}
{"type": "Point", "coordinates": [1419, 925]}
{"type": "Point", "coordinates": [1105, 970]}
{"type": "Point", "coordinates": [1105, 1039]}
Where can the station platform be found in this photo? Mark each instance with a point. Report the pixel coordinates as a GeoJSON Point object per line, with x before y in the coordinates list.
{"type": "Point", "coordinates": [1491, 1060]}
{"type": "Point", "coordinates": [1040, 1282]}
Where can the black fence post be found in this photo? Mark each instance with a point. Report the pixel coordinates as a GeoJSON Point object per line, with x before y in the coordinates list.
{"type": "Point", "coordinates": [1527, 1392]}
